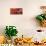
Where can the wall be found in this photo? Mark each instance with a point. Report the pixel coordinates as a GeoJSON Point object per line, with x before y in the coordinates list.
{"type": "Point", "coordinates": [26, 23]}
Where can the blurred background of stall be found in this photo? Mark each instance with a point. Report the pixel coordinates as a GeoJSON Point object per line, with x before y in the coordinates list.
{"type": "Point", "coordinates": [26, 23]}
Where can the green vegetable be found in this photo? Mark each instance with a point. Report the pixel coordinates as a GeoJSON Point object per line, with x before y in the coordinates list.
{"type": "Point", "coordinates": [40, 18]}
{"type": "Point", "coordinates": [11, 31]}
